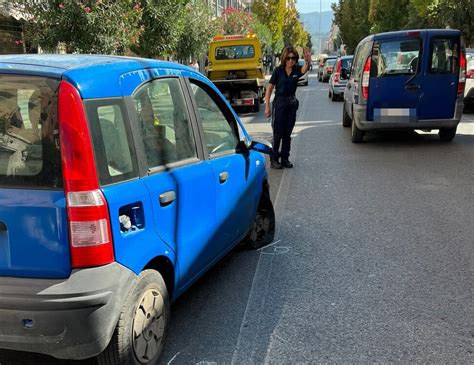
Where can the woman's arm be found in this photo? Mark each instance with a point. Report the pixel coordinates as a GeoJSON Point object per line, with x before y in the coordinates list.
{"type": "Point", "coordinates": [268, 94]}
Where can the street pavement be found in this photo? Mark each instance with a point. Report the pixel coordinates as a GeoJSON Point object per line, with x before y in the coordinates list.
{"type": "Point", "coordinates": [372, 259]}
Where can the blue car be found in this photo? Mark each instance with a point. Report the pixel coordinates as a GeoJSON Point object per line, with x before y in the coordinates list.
{"type": "Point", "coordinates": [411, 79]}
{"type": "Point", "coordinates": [122, 180]}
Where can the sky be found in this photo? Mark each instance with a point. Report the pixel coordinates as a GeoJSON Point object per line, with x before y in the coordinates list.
{"type": "Point", "coordinates": [308, 6]}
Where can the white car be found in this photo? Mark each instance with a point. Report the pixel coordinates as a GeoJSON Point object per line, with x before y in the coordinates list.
{"type": "Point", "coordinates": [303, 79]}
{"type": "Point", "coordinates": [469, 88]}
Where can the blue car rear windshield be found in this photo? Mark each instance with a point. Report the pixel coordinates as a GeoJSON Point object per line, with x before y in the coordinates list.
{"type": "Point", "coordinates": [29, 136]}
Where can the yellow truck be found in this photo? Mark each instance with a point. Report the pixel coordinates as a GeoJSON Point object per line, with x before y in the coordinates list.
{"type": "Point", "coordinates": [235, 66]}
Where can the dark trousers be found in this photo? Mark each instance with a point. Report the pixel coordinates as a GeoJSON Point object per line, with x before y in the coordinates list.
{"type": "Point", "coordinates": [284, 119]}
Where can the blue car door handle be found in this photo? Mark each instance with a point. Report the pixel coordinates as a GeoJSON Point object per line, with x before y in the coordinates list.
{"type": "Point", "coordinates": [167, 198]}
{"type": "Point", "coordinates": [223, 176]}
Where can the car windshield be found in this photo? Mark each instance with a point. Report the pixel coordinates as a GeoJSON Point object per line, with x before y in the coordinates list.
{"type": "Point", "coordinates": [346, 63]}
{"type": "Point", "coordinates": [331, 62]}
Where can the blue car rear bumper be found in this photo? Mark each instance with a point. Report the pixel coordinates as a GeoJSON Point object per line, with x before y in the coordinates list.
{"type": "Point", "coordinates": [72, 318]}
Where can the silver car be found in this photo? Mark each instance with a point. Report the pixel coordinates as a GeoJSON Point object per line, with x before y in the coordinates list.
{"type": "Point", "coordinates": [338, 79]}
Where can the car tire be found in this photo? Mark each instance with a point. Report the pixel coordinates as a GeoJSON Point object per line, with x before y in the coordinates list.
{"type": "Point", "coordinates": [447, 134]}
{"type": "Point", "coordinates": [329, 95]}
{"type": "Point", "coordinates": [357, 135]}
{"type": "Point", "coordinates": [147, 307]}
{"type": "Point", "coordinates": [263, 228]}
{"type": "Point", "coordinates": [334, 97]}
{"type": "Point", "coordinates": [346, 119]}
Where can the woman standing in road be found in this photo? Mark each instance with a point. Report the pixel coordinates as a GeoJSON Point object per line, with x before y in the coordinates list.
{"type": "Point", "coordinates": [285, 80]}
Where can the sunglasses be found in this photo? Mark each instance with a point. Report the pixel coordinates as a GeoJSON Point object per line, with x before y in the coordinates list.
{"type": "Point", "coordinates": [294, 58]}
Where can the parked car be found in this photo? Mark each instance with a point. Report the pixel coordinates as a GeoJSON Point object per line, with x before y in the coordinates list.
{"type": "Point", "coordinates": [406, 80]}
{"type": "Point", "coordinates": [338, 80]}
{"type": "Point", "coordinates": [469, 89]}
{"type": "Point", "coordinates": [327, 68]}
{"type": "Point", "coordinates": [303, 79]}
{"type": "Point", "coordinates": [122, 180]}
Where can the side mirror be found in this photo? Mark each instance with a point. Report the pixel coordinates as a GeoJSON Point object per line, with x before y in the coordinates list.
{"type": "Point", "coordinates": [261, 146]}
{"type": "Point", "coordinates": [344, 73]}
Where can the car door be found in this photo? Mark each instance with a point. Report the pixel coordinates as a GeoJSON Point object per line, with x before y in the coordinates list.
{"type": "Point", "coordinates": [180, 183]}
{"type": "Point", "coordinates": [396, 80]}
{"type": "Point", "coordinates": [234, 172]}
{"type": "Point", "coordinates": [441, 79]}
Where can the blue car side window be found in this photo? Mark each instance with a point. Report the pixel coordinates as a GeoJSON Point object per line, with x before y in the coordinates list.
{"type": "Point", "coordinates": [164, 122]}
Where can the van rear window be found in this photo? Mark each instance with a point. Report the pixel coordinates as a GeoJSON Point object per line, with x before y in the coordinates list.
{"type": "Point", "coordinates": [29, 136]}
{"type": "Point", "coordinates": [396, 57]}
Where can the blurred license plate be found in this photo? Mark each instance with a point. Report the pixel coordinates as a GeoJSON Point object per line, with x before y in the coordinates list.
{"type": "Point", "coordinates": [395, 115]}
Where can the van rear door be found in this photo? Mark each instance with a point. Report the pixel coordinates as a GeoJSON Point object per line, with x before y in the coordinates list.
{"type": "Point", "coordinates": [441, 78]}
{"type": "Point", "coordinates": [396, 80]}
{"type": "Point", "coordinates": [33, 224]}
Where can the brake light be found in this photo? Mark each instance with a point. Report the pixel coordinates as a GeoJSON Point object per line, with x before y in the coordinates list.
{"type": "Point", "coordinates": [338, 71]}
{"type": "Point", "coordinates": [366, 78]}
{"type": "Point", "coordinates": [462, 74]}
{"type": "Point", "coordinates": [470, 74]}
{"type": "Point", "coordinates": [413, 33]}
{"type": "Point", "coordinates": [90, 233]}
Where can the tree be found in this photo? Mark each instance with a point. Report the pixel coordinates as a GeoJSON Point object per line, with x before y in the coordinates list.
{"type": "Point", "coordinates": [194, 37]}
{"type": "Point", "coordinates": [388, 15]}
{"type": "Point", "coordinates": [235, 21]}
{"type": "Point", "coordinates": [160, 27]}
{"type": "Point", "coordinates": [271, 13]}
{"type": "Point", "coordinates": [106, 26]}
{"type": "Point", "coordinates": [351, 18]}
{"type": "Point", "coordinates": [293, 31]}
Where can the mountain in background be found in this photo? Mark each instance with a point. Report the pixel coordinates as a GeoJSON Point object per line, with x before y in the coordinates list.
{"type": "Point", "coordinates": [311, 22]}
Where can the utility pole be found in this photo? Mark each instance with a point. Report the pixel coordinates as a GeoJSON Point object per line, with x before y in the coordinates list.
{"type": "Point", "coordinates": [320, 51]}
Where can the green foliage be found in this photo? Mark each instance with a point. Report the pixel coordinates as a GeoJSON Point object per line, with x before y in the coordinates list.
{"type": "Point", "coordinates": [235, 21]}
{"type": "Point", "coordinates": [160, 28]}
{"type": "Point", "coordinates": [271, 13]}
{"type": "Point", "coordinates": [194, 36]}
{"type": "Point", "coordinates": [264, 35]}
{"type": "Point", "coordinates": [105, 26]}
{"type": "Point", "coordinates": [351, 17]}
{"type": "Point", "coordinates": [388, 15]}
{"type": "Point", "coordinates": [293, 31]}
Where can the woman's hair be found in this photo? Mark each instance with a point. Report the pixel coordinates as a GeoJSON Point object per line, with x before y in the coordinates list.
{"type": "Point", "coordinates": [285, 52]}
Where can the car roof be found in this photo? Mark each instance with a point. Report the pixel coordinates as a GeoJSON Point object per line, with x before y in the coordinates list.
{"type": "Point", "coordinates": [401, 33]}
{"type": "Point", "coordinates": [81, 69]}
{"type": "Point", "coordinates": [346, 57]}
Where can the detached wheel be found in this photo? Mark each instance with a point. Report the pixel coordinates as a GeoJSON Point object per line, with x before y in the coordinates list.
{"type": "Point", "coordinates": [263, 229]}
{"type": "Point", "coordinates": [143, 324]}
{"type": "Point", "coordinates": [357, 135]}
{"type": "Point", "coordinates": [447, 134]}
{"type": "Point", "coordinates": [346, 119]}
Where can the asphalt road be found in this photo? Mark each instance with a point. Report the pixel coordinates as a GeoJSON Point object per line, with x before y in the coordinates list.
{"type": "Point", "coordinates": [372, 261]}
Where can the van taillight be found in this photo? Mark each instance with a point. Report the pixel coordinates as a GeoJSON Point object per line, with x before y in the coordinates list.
{"type": "Point", "coordinates": [338, 71]}
{"type": "Point", "coordinates": [366, 78]}
{"type": "Point", "coordinates": [90, 233]}
{"type": "Point", "coordinates": [470, 74]}
{"type": "Point", "coordinates": [462, 74]}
